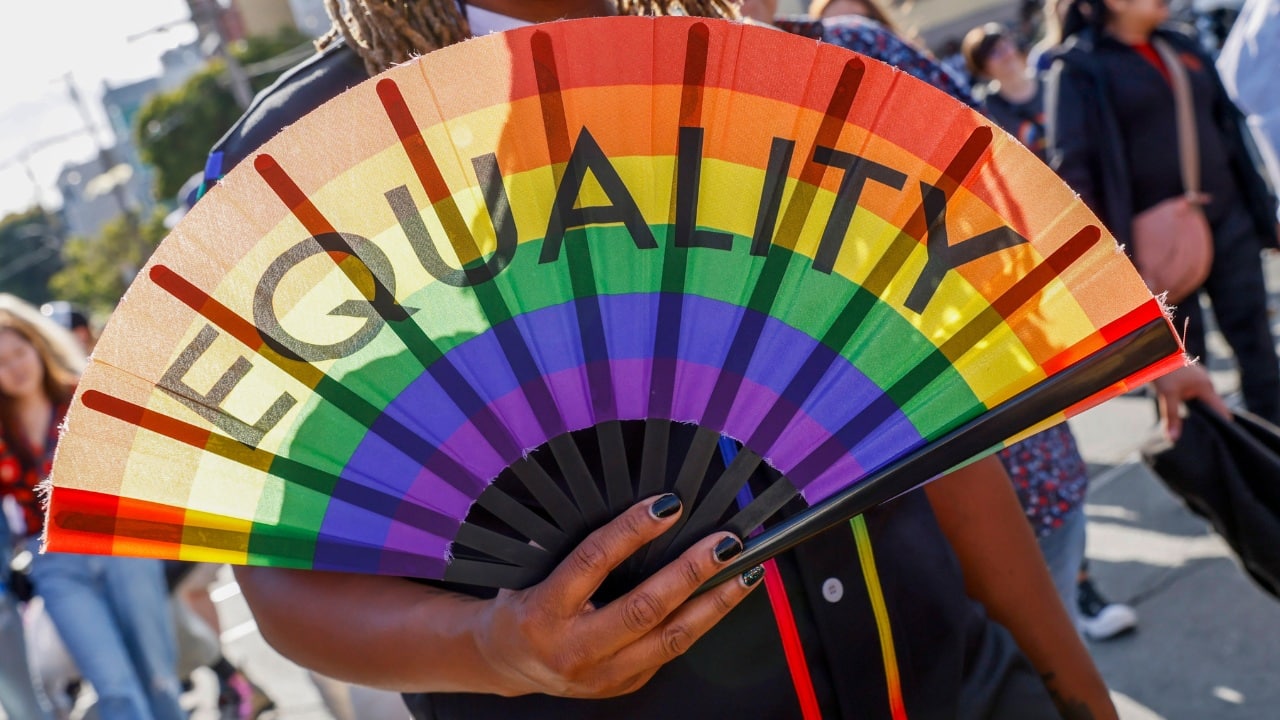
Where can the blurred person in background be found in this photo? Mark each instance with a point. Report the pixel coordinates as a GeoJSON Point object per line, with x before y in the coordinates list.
{"type": "Point", "coordinates": [1010, 90]}
{"type": "Point", "coordinates": [1112, 135]}
{"type": "Point", "coordinates": [111, 612]}
{"type": "Point", "coordinates": [73, 319]}
{"type": "Point", "coordinates": [1051, 17]}
{"type": "Point", "coordinates": [18, 694]}
{"type": "Point", "coordinates": [1249, 64]}
{"type": "Point", "coordinates": [870, 9]}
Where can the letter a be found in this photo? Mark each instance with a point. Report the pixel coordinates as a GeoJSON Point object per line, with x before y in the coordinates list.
{"type": "Point", "coordinates": [587, 155]}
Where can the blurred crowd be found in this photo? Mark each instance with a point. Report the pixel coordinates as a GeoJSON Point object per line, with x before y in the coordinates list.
{"type": "Point", "coordinates": [1112, 94]}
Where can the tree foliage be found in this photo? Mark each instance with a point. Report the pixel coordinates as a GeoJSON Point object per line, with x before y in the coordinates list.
{"type": "Point", "coordinates": [98, 270]}
{"type": "Point", "coordinates": [29, 256]}
{"type": "Point", "coordinates": [174, 130]}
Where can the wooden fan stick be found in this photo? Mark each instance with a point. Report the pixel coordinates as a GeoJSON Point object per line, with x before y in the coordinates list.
{"type": "Point", "coordinates": [693, 470]}
{"type": "Point", "coordinates": [718, 498]}
{"type": "Point", "coordinates": [617, 472]}
{"type": "Point", "coordinates": [509, 550]}
{"type": "Point", "coordinates": [765, 292]}
{"type": "Point", "coordinates": [549, 496]}
{"type": "Point", "coordinates": [919, 377]}
{"type": "Point", "coordinates": [488, 574]}
{"type": "Point", "coordinates": [847, 323]}
{"type": "Point", "coordinates": [414, 339]}
{"type": "Point", "coordinates": [1112, 364]}
{"type": "Point", "coordinates": [522, 519]}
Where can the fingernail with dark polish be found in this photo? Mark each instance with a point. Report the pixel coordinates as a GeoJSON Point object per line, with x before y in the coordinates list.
{"type": "Point", "coordinates": [665, 506]}
{"type": "Point", "coordinates": [727, 548]}
{"type": "Point", "coordinates": [752, 576]}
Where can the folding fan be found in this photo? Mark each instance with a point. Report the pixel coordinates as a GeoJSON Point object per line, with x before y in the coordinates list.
{"type": "Point", "coordinates": [469, 310]}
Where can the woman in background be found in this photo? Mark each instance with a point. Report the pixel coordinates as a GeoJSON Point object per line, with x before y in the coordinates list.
{"type": "Point", "coordinates": [1112, 136]}
{"type": "Point", "coordinates": [111, 612]}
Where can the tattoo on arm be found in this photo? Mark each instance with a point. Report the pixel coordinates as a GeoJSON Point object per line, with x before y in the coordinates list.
{"type": "Point", "coordinates": [1070, 708]}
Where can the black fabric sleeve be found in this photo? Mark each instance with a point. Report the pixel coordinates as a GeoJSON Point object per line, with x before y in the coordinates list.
{"type": "Point", "coordinates": [1070, 149]}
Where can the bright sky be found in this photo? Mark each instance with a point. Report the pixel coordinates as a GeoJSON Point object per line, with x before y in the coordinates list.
{"type": "Point", "coordinates": [86, 38]}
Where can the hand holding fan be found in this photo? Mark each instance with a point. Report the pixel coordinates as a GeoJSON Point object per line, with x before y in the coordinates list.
{"type": "Point", "coordinates": [452, 320]}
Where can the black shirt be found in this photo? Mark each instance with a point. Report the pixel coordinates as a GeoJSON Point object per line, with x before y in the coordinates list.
{"type": "Point", "coordinates": [1144, 107]}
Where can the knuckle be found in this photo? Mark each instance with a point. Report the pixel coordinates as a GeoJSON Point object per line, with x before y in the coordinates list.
{"type": "Point", "coordinates": [590, 557]}
{"type": "Point", "coordinates": [692, 572]}
{"type": "Point", "coordinates": [631, 526]}
{"type": "Point", "coordinates": [676, 639]}
{"type": "Point", "coordinates": [723, 602]}
{"type": "Point", "coordinates": [641, 611]}
{"type": "Point", "coordinates": [568, 663]}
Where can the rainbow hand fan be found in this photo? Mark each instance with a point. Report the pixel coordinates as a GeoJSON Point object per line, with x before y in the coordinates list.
{"type": "Point", "coordinates": [465, 312]}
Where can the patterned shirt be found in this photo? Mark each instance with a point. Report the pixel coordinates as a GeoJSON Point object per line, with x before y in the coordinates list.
{"type": "Point", "coordinates": [866, 36]}
{"type": "Point", "coordinates": [1049, 476]}
{"type": "Point", "coordinates": [23, 483]}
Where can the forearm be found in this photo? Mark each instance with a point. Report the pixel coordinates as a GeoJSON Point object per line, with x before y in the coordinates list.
{"type": "Point", "coordinates": [548, 638]}
{"type": "Point", "coordinates": [377, 631]}
{"type": "Point", "coordinates": [1005, 571]}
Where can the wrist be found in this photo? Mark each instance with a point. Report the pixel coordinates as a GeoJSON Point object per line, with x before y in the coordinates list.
{"type": "Point", "coordinates": [455, 654]}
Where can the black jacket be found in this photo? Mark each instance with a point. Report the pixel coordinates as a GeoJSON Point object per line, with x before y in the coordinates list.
{"type": "Point", "coordinates": [1086, 145]}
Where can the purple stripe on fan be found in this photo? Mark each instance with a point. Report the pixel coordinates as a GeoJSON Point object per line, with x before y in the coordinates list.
{"type": "Point", "coordinates": [391, 546]}
{"type": "Point", "coordinates": [629, 321]}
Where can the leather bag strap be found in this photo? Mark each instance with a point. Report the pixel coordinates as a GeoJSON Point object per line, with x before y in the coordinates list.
{"type": "Point", "coordinates": [1188, 141]}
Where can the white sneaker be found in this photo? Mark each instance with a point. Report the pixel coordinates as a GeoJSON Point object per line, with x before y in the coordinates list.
{"type": "Point", "coordinates": [1100, 619]}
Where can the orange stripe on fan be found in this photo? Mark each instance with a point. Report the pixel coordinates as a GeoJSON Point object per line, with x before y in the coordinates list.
{"type": "Point", "coordinates": [1099, 339]}
{"type": "Point", "coordinates": [291, 195]}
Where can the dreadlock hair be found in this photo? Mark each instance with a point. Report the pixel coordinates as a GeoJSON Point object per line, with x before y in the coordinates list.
{"type": "Point", "coordinates": [389, 32]}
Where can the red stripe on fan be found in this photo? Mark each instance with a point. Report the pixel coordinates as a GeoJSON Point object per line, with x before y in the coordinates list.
{"type": "Point", "coordinates": [147, 419]}
{"type": "Point", "coordinates": [792, 648]}
{"type": "Point", "coordinates": [834, 117]}
{"type": "Point", "coordinates": [229, 322]}
{"type": "Point", "coordinates": [553, 114]}
{"type": "Point", "coordinates": [204, 304]}
{"type": "Point", "coordinates": [796, 212]}
{"type": "Point", "coordinates": [176, 429]}
{"type": "Point", "coordinates": [68, 508]}
{"type": "Point", "coordinates": [963, 163]}
{"type": "Point", "coordinates": [695, 75]}
{"type": "Point", "coordinates": [291, 195]}
{"type": "Point", "coordinates": [1116, 329]}
{"type": "Point", "coordinates": [415, 146]}
{"type": "Point", "coordinates": [1132, 320]}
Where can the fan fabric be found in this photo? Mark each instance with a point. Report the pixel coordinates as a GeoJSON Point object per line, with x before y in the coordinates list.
{"type": "Point", "coordinates": [415, 287]}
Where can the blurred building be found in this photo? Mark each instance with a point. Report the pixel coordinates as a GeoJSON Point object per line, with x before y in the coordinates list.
{"type": "Point", "coordinates": [263, 17]}
{"type": "Point", "coordinates": [92, 196]}
{"type": "Point", "coordinates": [310, 17]}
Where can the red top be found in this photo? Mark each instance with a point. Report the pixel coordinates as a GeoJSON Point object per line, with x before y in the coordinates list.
{"type": "Point", "coordinates": [22, 482]}
{"type": "Point", "coordinates": [1148, 52]}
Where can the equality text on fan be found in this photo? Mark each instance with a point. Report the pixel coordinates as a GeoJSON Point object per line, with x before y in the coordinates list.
{"type": "Point", "coordinates": [587, 159]}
